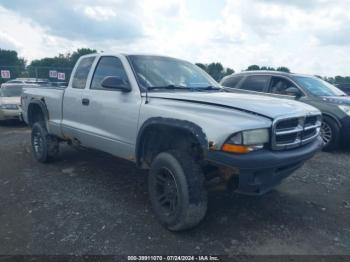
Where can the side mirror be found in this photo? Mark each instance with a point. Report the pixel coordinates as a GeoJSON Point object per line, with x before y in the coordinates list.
{"type": "Point", "coordinates": [293, 91]}
{"type": "Point", "coordinates": [115, 82]}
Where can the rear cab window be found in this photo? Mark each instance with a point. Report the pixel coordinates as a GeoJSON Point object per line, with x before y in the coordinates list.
{"type": "Point", "coordinates": [256, 83]}
{"type": "Point", "coordinates": [82, 72]}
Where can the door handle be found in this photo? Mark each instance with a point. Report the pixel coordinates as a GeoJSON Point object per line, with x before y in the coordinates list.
{"type": "Point", "coordinates": [85, 101]}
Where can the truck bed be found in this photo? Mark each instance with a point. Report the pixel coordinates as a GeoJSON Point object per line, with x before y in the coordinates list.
{"type": "Point", "coordinates": [52, 97]}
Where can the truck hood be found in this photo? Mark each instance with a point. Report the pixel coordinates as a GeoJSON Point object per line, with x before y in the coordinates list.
{"type": "Point", "coordinates": [261, 105]}
{"type": "Point", "coordinates": [16, 100]}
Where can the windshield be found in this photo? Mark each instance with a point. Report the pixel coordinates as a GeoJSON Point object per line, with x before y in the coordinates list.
{"type": "Point", "coordinates": [154, 72]}
{"type": "Point", "coordinates": [318, 87]}
{"type": "Point", "coordinates": [11, 91]}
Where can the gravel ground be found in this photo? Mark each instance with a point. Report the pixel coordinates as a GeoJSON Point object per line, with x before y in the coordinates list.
{"type": "Point", "coordinates": [88, 202]}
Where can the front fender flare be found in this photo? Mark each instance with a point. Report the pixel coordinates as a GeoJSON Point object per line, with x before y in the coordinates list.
{"type": "Point", "coordinates": [191, 127]}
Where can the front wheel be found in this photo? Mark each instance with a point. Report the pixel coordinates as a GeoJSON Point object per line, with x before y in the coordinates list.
{"type": "Point", "coordinates": [329, 134]}
{"type": "Point", "coordinates": [177, 192]}
{"type": "Point", "coordinates": [44, 146]}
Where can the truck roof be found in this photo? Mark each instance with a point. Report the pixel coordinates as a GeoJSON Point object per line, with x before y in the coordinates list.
{"type": "Point", "coordinates": [129, 54]}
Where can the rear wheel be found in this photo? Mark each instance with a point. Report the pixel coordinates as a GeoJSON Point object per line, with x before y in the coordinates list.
{"type": "Point", "coordinates": [44, 146]}
{"type": "Point", "coordinates": [329, 134]}
{"type": "Point", "coordinates": [176, 189]}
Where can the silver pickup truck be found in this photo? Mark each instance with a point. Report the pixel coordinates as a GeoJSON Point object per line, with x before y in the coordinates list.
{"type": "Point", "coordinates": [169, 116]}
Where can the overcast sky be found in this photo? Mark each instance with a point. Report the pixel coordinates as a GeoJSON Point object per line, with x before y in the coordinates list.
{"type": "Point", "coordinates": [308, 36]}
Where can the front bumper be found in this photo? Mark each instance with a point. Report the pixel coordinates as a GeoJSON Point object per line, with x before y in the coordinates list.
{"type": "Point", "coordinates": [262, 170]}
{"type": "Point", "coordinates": [6, 114]}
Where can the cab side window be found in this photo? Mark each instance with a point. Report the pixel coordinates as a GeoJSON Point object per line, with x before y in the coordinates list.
{"type": "Point", "coordinates": [282, 86]}
{"type": "Point", "coordinates": [257, 83]}
{"type": "Point", "coordinates": [108, 66]}
{"type": "Point", "coordinates": [232, 81]}
{"type": "Point", "coordinates": [82, 72]}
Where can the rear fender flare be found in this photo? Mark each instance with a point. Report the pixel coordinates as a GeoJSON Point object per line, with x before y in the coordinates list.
{"type": "Point", "coordinates": [42, 105]}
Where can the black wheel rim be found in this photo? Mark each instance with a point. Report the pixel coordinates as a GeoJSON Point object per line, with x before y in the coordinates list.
{"type": "Point", "coordinates": [326, 133]}
{"type": "Point", "coordinates": [167, 192]}
{"type": "Point", "coordinates": [38, 143]}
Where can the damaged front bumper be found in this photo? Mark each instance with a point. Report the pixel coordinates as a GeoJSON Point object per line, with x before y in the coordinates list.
{"type": "Point", "coordinates": [262, 170]}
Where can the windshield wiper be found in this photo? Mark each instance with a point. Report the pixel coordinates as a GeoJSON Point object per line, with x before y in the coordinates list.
{"type": "Point", "coordinates": [189, 88]}
{"type": "Point", "coordinates": [169, 87]}
{"type": "Point", "coordinates": [206, 88]}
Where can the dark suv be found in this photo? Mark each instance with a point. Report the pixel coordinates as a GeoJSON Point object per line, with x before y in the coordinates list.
{"type": "Point", "coordinates": [331, 101]}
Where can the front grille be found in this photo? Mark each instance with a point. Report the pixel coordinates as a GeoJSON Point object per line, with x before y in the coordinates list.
{"type": "Point", "coordinates": [289, 123]}
{"type": "Point", "coordinates": [311, 120]}
{"type": "Point", "coordinates": [285, 139]}
{"type": "Point", "coordinates": [294, 132]}
{"type": "Point", "coordinates": [309, 133]}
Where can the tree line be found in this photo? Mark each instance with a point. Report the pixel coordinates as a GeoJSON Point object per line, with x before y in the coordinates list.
{"type": "Point", "coordinates": [39, 68]}
{"type": "Point", "coordinates": [9, 60]}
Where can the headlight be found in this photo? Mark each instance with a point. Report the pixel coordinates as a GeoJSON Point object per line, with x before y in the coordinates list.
{"type": "Point", "coordinates": [345, 109]}
{"type": "Point", "coordinates": [247, 141]}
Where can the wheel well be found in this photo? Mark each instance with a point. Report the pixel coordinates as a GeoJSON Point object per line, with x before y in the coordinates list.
{"type": "Point", "coordinates": [332, 118]}
{"type": "Point", "coordinates": [35, 114]}
{"type": "Point", "coordinates": [159, 138]}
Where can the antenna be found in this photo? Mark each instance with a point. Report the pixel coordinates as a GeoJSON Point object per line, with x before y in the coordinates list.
{"type": "Point", "coordinates": [147, 101]}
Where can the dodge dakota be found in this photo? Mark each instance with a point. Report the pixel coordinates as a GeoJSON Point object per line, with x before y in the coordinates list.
{"type": "Point", "coordinates": [169, 116]}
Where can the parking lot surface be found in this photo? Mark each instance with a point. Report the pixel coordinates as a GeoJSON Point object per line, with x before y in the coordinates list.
{"type": "Point", "coordinates": [87, 202]}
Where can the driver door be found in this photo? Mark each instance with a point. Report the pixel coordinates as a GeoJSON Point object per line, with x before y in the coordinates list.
{"type": "Point", "coordinates": [110, 116]}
